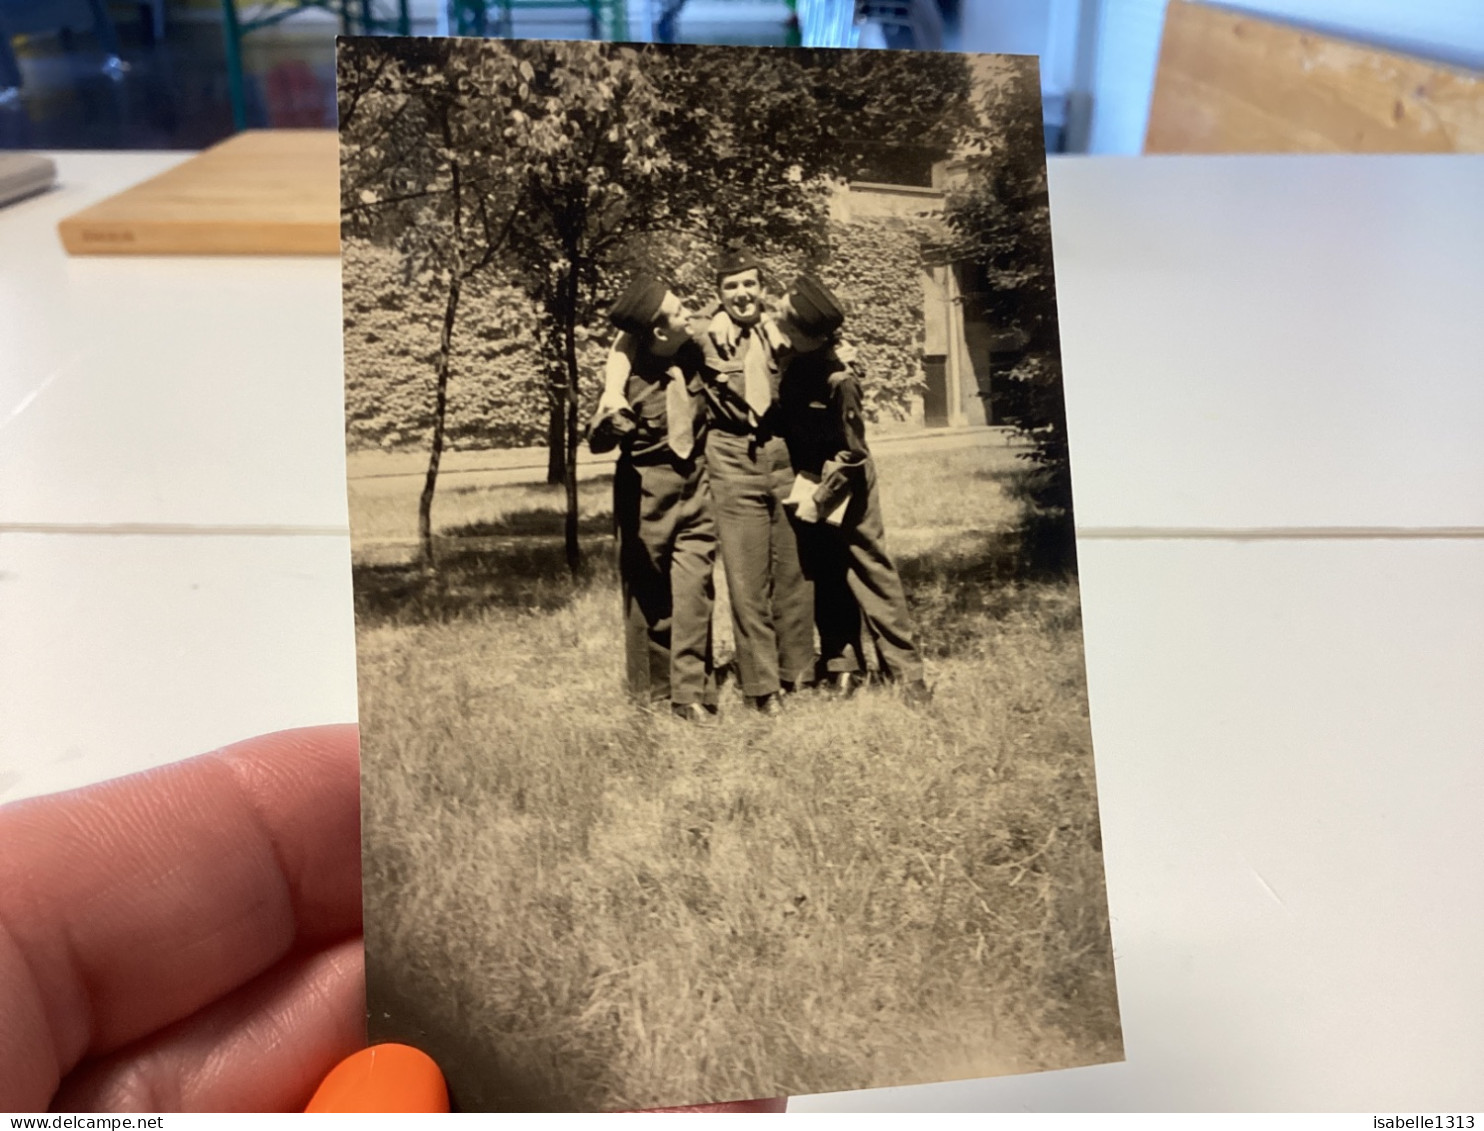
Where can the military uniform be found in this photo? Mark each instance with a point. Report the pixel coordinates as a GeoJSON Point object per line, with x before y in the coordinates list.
{"type": "Point", "coordinates": [751, 476]}
{"type": "Point", "coordinates": [860, 604]}
{"type": "Point", "coordinates": [666, 534]}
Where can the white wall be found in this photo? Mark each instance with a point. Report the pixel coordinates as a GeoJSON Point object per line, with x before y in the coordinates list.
{"type": "Point", "coordinates": [1449, 31]}
{"type": "Point", "coordinates": [1060, 32]}
{"type": "Point", "coordinates": [1048, 28]}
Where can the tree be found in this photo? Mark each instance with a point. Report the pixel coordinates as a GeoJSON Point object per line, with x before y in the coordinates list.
{"type": "Point", "coordinates": [999, 217]}
{"type": "Point", "coordinates": [777, 133]}
{"type": "Point", "coordinates": [593, 170]}
{"type": "Point", "coordinates": [567, 165]}
{"type": "Point", "coordinates": [416, 170]}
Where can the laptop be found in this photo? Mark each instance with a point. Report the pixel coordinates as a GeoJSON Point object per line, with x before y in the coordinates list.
{"type": "Point", "coordinates": [23, 174]}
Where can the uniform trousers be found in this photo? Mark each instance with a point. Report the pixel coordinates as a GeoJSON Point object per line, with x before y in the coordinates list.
{"type": "Point", "coordinates": [666, 557]}
{"type": "Point", "coordinates": [772, 600]}
{"type": "Point", "coordinates": [859, 600]}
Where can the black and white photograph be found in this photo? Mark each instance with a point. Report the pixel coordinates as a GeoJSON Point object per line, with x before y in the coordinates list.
{"type": "Point", "coordinates": [724, 717]}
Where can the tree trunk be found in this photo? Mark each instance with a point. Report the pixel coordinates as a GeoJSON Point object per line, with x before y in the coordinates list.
{"type": "Point", "coordinates": [556, 437]}
{"type": "Point", "coordinates": [445, 356]}
{"type": "Point", "coordinates": [440, 414]}
{"type": "Point", "coordinates": [573, 401]}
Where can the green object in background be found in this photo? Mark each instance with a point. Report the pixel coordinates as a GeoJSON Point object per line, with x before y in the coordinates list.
{"type": "Point", "coordinates": [606, 19]}
{"type": "Point", "coordinates": [357, 17]}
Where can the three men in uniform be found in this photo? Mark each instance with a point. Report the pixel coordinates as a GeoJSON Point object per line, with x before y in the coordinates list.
{"type": "Point", "coordinates": [776, 475]}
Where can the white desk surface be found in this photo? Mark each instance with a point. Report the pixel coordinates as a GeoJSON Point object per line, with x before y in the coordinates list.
{"type": "Point", "coordinates": [1289, 729]}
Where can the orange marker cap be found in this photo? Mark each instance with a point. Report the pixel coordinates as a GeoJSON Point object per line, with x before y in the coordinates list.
{"type": "Point", "coordinates": [395, 1078]}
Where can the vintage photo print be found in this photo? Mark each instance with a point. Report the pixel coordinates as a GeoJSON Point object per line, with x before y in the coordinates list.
{"type": "Point", "coordinates": [723, 712]}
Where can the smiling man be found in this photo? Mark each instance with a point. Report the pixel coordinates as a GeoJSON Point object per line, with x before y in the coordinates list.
{"type": "Point", "coordinates": [751, 477]}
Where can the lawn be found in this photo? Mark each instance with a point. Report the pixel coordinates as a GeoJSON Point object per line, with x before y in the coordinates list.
{"type": "Point", "coordinates": [574, 903]}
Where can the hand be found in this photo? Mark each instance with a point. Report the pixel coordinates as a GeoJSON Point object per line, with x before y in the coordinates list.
{"type": "Point", "coordinates": [777, 339]}
{"type": "Point", "coordinates": [187, 938]}
{"type": "Point", "coordinates": [611, 402]}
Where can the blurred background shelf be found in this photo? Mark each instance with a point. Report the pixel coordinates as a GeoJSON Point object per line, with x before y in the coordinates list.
{"type": "Point", "coordinates": [184, 74]}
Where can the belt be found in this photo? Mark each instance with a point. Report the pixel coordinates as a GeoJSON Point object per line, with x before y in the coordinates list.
{"type": "Point", "coordinates": [744, 432]}
{"type": "Point", "coordinates": [731, 427]}
{"type": "Point", "coordinates": [664, 457]}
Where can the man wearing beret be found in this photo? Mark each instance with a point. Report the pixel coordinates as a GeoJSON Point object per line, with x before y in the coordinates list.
{"type": "Point", "coordinates": [751, 477]}
{"type": "Point", "coordinates": [856, 585]}
{"type": "Point", "coordinates": [655, 416]}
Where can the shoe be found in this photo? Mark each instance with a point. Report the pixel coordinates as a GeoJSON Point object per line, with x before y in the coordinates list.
{"type": "Point", "coordinates": [917, 693]}
{"type": "Point", "coordinates": [771, 704]}
{"type": "Point", "coordinates": [694, 713]}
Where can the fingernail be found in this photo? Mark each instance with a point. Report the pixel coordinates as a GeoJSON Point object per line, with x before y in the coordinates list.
{"type": "Point", "coordinates": [392, 1078]}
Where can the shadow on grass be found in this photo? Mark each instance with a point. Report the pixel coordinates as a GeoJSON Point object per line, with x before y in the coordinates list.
{"type": "Point", "coordinates": [539, 522]}
{"type": "Point", "coordinates": [434, 1017]}
{"type": "Point", "coordinates": [1041, 548]}
{"type": "Point", "coordinates": [1007, 475]}
{"type": "Point", "coordinates": [518, 561]}
{"type": "Point", "coordinates": [600, 482]}
{"type": "Point", "coordinates": [986, 573]}
{"type": "Point", "coordinates": [1048, 545]}
{"type": "Point", "coordinates": [526, 571]}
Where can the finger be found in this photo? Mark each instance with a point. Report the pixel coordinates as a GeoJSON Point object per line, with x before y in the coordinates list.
{"type": "Point", "coordinates": [129, 905]}
{"type": "Point", "coordinates": [264, 1047]}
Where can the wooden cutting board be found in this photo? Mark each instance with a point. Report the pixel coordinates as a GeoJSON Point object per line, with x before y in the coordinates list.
{"type": "Point", "coordinates": [263, 192]}
{"type": "Point", "coordinates": [1228, 82]}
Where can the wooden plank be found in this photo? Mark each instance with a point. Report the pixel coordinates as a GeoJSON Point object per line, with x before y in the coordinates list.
{"type": "Point", "coordinates": [1231, 83]}
{"type": "Point", "coordinates": [263, 192]}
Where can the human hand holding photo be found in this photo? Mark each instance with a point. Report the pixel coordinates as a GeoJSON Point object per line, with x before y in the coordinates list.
{"type": "Point", "coordinates": [188, 938]}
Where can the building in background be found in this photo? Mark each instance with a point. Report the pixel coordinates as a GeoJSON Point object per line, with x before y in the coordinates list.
{"type": "Point", "coordinates": [964, 354]}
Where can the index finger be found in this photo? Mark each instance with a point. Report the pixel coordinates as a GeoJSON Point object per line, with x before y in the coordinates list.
{"type": "Point", "coordinates": [128, 905]}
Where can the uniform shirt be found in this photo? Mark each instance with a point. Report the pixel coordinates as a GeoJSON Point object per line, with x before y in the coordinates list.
{"type": "Point", "coordinates": [724, 344]}
{"type": "Point", "coordinates": [819, 411]}
{"type": "Point", "coordinates": [646, 391]}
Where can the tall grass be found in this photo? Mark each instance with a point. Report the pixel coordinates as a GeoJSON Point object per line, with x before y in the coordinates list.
{"type": "Point", "coordinates": [575, 903]}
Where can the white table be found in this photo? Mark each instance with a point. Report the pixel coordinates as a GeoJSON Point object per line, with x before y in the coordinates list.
{"type": "Point", "coordinates": [1275, 382]}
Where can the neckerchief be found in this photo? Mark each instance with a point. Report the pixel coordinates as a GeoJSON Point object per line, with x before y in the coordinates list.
{"type": "Point", "coordinates": [680, 413]}
{"type": "Point", "coordinates": [757, 384]}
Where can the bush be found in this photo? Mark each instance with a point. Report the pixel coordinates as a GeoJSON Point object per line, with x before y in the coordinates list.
{"type": "Point", "coordinates": [392, 323]}
{"type": "Point", "coordinates": [496, 395]}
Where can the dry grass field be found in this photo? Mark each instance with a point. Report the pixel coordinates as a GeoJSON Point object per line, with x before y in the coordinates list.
{"type": "Point", "coordinates": [573, 903]}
